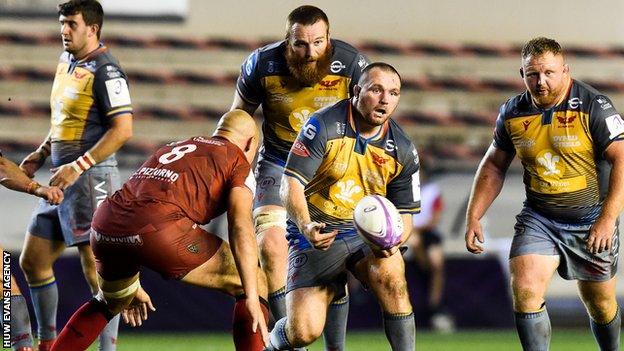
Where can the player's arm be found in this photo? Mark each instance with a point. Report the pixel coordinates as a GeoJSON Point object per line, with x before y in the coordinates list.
{"type": "Point", "coordinates": [487, 185]}
{"type": "Point", "coordinates": [12, 177]}
{"type": "Point", "coordinates": [31, 163]}
{"type": "Point", "coordinates": [249, 91]}
{"type": "Point", "coordinates": [244, 249]}
{"type": "Point", "coordinates": [240, 104]}
{"type": "Point", "coordinates": [293, 196]}
{"type": "Point", "coordinates": [118, 133]}
{"type": "Point", "coordinates": [601, 234]}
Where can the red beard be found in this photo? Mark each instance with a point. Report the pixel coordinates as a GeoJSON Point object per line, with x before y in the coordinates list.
{"type": "Point", "coordinates": [308, 73]}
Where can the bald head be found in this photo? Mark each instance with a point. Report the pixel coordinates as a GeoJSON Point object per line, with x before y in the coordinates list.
{"type": "Point", "coordinates": [239, 127]}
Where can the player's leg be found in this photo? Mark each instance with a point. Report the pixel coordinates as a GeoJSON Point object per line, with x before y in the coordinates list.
{"type": "Point", "coordinates": [306, 318]}
{"type": "Point", "coordinates": [270, 228]}
{"type": "Point", "coordinates": [21, 332]}
{"type": "Point", "coordinates": [534, 257]}
{"type": "Point", "coordinates": [386, 279]}
{"type": "Point", "coordinates": [213, 267]}
{"type": "Point", "coordinates": [530, 276]}
{"type": "Point", "coordinates": [108, 337]}
{"type": "Point", "coordinates": [21, 337]}
{"type": "Point", "coordinates": [36, 259]}
{"type": "Point", "coordinates": [88, 321]}
{"type": "Point", "coordinates": [605, 317]}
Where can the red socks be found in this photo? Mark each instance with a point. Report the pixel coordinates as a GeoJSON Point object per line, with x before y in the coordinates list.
{"type": "Point", "coordinates": [244, 338]}
{"type": "Point", "coordinates": [83, 327]}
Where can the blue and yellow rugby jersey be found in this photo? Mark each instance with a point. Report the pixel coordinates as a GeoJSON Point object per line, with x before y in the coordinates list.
{"type": "Point", "coordinates": [86, 95]}
{"type": "Point", "coordinates": [338, 168]}
{"type": "Point", "coordinates": [286, 104]}
{"type": "Point", "coordinates": [562, 150]}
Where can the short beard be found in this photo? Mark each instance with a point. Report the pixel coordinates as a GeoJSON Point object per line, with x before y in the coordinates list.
{"type": "Point", "coordinates": [303, 71]}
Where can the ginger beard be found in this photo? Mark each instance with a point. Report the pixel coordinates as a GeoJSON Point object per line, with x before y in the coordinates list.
{"type": "Point", "coordinates": [308, 70]}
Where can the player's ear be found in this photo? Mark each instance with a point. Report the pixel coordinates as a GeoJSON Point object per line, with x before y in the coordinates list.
{"type": "Point", "coordinates": [521, 72]}
{"type": "Point", "coordinates": [249, 144]}
{"type": "Point", "coordinates": [356, 90]}
{"type": "Point", "coordinates": [93, 29]}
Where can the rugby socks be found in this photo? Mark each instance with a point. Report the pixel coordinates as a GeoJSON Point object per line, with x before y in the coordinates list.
{"type": "Point", "coordinates": [83, 327]}
{"type": "Point", "coordinates": [335, 330]}
{"type": "Point", "coordinates": [534, 329]}
{"type": "Point", "coordinates": [244, 337]}
{"type": "Point", "coordinates": [400, 330]}
{"type": "Point", "coordinates": [20, 323]}
{"type": "Point", "coordinates": [44, 297]}
{"type": "Point", "coordinates": [277, 303]}
{"type": "Point", "coordinates": [108, 336]}
{"type": "Point", "coordinates": [278, 338]}
{"type": "Point", "coordinates": [608, 335]}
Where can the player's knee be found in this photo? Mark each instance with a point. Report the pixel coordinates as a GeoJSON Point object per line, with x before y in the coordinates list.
{"type": "Point", "coordinates": [601, 309]}
{"type": "Point", "coordinates": [305, 335]}
{"type": "Point", "coordinates": [273, 249]}
{"type": "Point", "coordinates": [274, 219]}
{"type": "Point", "coordinates": [526, 299]}
{"type": "Point", "coordinates": [391, 286]}
{"type": "Point", "coordinates": [29, 264]}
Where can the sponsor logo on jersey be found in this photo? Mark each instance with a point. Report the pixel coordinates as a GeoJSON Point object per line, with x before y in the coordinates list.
{"type": "Point", "coordinates": [348, 189]}
{"type": "Point", "coordinates": [390, 145]}
{"type": "Point", "coordinates": [615, 125]}
{"type": "Point", "coordinates": [80, 75]}
{"type": "Point", "coordinates": [604, 104]}
{"type": "Point", "coordinates": [362, 62]}
{"type": "Point", "coordinates": [330, 84]}
{"type": "Point", "coordinates": [340, 128]}
{"type": "Point", "coordinates": [271, 67]}
{"type": "Point", "coordinates": [379, 160]}
{"type": "Point", "coordinates": [566, 141]}
{"type": "Point", "coordinates": [549, 162]}
{"type": "Point", "coordinates": [525, 143]}
{"type": "Point", "coordinates": [337, 66]}
{"type": "Point", "coordinates": [299, 117]}
{"type": "Point", "coordinates": [300, 149]}
{"type": "Point", "coordinates": [123, 240]}
{"type": "Point", "coordinates": [565, 122]}
{"type": "Point", "coordinates": [193, 248]}
{"type": "Point", "coordinates": [526, 124]}
{"type": "Point", "coordinates": [157, 174]}
{"type": "Point", "coordinates": [574, 103]}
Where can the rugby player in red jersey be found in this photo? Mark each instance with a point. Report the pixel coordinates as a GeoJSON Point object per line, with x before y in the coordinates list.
{"type": "Point", "coordinates": [153, 221]}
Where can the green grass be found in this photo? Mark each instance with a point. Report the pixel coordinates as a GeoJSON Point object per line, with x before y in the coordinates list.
{"type": "Point", "coordinates": [506, 340]}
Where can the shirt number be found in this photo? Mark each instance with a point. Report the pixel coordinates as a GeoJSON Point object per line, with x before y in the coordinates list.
{"type": "Point", "coordinates": [176, 153]}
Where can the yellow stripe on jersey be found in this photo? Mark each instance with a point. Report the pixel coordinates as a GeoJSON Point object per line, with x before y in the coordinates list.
{"type": "Point", "coordinates": [125, 109]}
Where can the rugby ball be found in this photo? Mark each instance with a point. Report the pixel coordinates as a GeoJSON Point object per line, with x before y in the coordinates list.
{"type": "Point", "coordinates": [378, 222]}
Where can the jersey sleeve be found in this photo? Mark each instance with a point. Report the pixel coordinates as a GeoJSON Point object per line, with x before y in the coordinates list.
{"type": "Point", "coordinates": [361, 61]}
{"type": "Point", "coordinates": [404, 190]}
{"type": "Point", "coordinates": [248, 84]}
{"type": "Point", "coordinates": [241, 176]}
{"type": "Point", "coordinates": [308, 150]}
{"type": "Point", "coordinates": [501, 136]}
{"type": "Point", "coordinates": [605, 123]}
{"type": "Point", "coordinates": [111, 91]}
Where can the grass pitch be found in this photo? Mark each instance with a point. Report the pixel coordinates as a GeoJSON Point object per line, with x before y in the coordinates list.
{"type": "Point", "coordinates": [482, 340]}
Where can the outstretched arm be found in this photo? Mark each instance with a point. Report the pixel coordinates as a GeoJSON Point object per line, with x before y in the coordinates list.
{"type": "Point", "coordinates": [293, 196]}
{"type": "Point", "coordinates": [12, 177]}
{"type": "Point", "coordinates": [487, 185]}
{"type": "Point", "coordinates": [245, 252]}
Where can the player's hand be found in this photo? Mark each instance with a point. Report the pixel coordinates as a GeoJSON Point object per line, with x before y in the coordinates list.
{"type": "Point", "coordinates": [257, 319]}
{"type": "Point", "coordinates": [51, 194]}
{"type": "Point", "coordinates": [601, 235]}
{"type": "Point", "coordinates": [474, 236]}
{"type": "Point", "coordinates": [385, 253]}
{"type": "Point", "coordinates": [137, 311]}
{"type": "Point", "coordinates": [31, 163]}
{"type": "Point", "coordinates": [64, 176]}
{"type": "Point", "coordinates": [321, 241]}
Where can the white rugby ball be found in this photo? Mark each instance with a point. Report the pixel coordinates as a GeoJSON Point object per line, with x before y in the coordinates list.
{"type": "Point", "coordinates": [378, 222]}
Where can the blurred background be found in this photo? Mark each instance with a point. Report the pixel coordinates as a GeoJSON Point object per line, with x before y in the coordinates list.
{"type": "Point", "coordinates": [459, 61]}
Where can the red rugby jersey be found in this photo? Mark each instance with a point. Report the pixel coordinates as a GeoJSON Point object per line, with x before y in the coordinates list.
{"type": "Point", "coordinates": [190, 178]}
